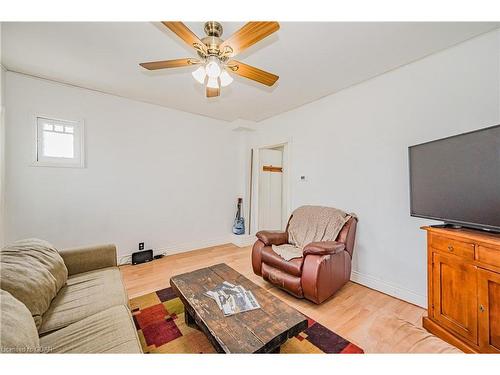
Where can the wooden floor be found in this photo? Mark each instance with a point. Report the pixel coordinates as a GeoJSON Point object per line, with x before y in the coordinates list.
{"type": "Point", "coordinates": [355, 312]}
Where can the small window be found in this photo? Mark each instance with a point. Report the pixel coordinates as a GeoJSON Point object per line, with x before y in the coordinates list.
{"type": "Point", "coordinates": [59, 143]}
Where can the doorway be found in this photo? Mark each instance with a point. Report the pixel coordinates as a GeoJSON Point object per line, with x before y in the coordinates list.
{"type": "Point", "coordinates": [269, 198]}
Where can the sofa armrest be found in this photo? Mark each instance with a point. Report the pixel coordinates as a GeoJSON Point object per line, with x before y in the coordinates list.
{"type": "Point", "coordinates": [323, 248]}
{"type": "Point", "coordinates": [272, 237]}
{"type": "Point", "coordinates": [89, 258]}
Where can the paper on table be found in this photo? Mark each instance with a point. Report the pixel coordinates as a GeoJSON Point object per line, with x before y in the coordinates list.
{"type": "Point", "coordinates": [233, 299]}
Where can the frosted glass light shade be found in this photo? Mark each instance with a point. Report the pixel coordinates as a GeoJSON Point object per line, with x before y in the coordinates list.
{"type": "Point", "coordinates": [199, 74]}
{"type": "Point", "coordinates": [213, 68]}
{"type": "Point", "coordinates": [225, 79]}
{"type": "Point", "coordinates": [212, 83]}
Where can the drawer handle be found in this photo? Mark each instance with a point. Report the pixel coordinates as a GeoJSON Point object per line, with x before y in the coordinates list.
{"type": "Point", "coordinates": [450, 248]}
{"type": "Point", "coordinates": [481, 308]}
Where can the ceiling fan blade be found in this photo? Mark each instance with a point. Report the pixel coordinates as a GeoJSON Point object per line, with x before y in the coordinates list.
{"type": "Point", "coordinates": [251, 72]}
{"type": "Point", "coordinates": [154, 65]}
{"type": "Point", "coordinates": [186, 35]}
{"type": "Point", "coordinates": [248, 35]}
{"type": "Point", "coordinates": [211, 92]}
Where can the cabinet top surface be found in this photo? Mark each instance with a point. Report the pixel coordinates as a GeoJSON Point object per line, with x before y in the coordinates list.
{"type": "Point", "coordinates": [467, 234]}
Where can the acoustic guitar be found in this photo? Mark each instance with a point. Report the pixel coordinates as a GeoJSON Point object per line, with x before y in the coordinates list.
{"type": "Point", "coordinates": [239, 221]}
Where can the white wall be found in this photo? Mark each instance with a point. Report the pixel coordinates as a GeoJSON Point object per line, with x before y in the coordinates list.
{"type": "Point", "coordinates": [352, 147]}
{"type": "Point", "coordinates": [171, 179]}
{"type": "Point", "coordinates": [161, 176]}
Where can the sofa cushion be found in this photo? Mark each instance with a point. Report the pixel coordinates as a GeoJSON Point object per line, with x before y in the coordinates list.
{"type": "Point", "coordinates": [292, 266]}
{"type": "Point", "coordinates": [84, 294]}
{"type": "Point", "coordinates": [33, 272]}
{"type": "Point", "coordinates": [18, 333]}
{"type": "Point", "coordinates": [109, 331]}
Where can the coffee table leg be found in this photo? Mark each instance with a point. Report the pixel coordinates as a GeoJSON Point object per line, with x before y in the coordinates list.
{"type": "Point", "coordinates": [189, 319]}
{"type": "Point", "coordinates": [276, 351]}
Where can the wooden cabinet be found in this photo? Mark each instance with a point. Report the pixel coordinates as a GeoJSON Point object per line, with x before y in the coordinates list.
{"type": "Point", "coordinates": [489, 311]}
{"type": "Point", "coordinates": [455, 305]}
{"type": "Point", "coordinates": [464, 288]}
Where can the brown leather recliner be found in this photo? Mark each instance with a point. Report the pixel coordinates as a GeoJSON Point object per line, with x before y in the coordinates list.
{"type": "Point", "coordinates": [322, 270]}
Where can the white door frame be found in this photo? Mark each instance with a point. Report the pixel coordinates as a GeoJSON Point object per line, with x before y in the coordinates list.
{"type": "Point", "coordinates": [254, 199]}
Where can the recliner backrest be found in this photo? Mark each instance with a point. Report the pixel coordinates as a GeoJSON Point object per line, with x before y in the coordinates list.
{"type": "Point", "coordinates": [348, 234]}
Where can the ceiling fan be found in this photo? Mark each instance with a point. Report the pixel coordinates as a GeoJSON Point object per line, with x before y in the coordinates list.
{"type": "Point", "coordinates": [216, 55]}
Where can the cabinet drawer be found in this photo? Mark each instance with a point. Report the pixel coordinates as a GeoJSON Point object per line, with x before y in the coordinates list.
{"type": "Point", "coordinates": [447, 245]}
{"type": "Point", "coordinates": [488, 255]}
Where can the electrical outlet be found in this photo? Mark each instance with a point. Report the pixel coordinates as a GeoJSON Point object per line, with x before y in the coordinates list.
{"type": "Point", "coordinates": [141, 245]}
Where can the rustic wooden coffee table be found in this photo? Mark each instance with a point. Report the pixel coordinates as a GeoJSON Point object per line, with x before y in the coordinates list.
{"type": "Point", "coordinates": [258, 331]}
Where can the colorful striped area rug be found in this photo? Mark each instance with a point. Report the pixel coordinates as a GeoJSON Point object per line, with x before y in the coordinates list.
{"type": "Point", "coordinates": [159, 319]}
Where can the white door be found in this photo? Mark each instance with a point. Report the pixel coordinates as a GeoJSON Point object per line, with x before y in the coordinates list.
{"type": "Point", "coordinates": [270, 189]}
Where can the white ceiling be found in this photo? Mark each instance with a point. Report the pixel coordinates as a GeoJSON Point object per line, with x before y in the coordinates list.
{"type": "Point", "coordinates": [312, 60]}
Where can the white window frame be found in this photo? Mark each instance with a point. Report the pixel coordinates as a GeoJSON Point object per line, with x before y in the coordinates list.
{"type": "Point", "coordinates": [78, 161]}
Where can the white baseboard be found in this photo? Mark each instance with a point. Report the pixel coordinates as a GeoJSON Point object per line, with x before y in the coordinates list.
{"type": "Point", "coordinates": [180, 248]}
{"type": "Point", "coordinates": [388, 288]}
{"type": "Point", "coordinates": [243, 240]}
{"type": "Point", "coordinates": [194, 245]}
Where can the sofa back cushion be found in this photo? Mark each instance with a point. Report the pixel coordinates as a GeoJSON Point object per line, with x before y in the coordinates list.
{"type": "Point", "coordinates": [18, 333]}
{"type": "Point", "coordinates": [33, 272]}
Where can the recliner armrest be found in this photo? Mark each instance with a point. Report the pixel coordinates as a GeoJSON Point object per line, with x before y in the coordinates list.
{"type": "Point", "coordinates": [272, 237]}
{"type": "Point", "coordinates": [323, 248]}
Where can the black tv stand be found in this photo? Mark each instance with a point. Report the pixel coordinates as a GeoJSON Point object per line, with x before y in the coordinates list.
{"type": "Point", "coordinates": [447, 226]}
{"type": "Point", "coordinates": [458, 226]}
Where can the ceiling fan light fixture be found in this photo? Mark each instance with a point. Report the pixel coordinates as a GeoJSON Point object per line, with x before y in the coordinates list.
{"type": "Point", "coordinates": [213, 67]}
{"type": "Point", "coordinates": [215, 64]}
{"type": "Point", "coordinates": [213, 83]}
{"type": "Point", "coordinates": [225, 79]}
{"type": "Point", "coordinates": [199, 74]}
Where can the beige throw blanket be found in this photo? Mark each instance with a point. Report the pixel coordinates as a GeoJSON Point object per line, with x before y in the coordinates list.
{"type": "Point", "coordinates": [311, 224]}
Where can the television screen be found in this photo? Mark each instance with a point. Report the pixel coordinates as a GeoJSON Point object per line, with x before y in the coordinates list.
{"type": "Point", "coordinates": [457, 179]}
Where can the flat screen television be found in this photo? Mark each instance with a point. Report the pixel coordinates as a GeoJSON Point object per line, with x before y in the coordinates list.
{"type": "Point", "coordinates": [457, 179]}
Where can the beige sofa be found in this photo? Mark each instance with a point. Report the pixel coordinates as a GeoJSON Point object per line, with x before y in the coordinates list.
{"type": "Point", "coordinates": [69, 301]}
